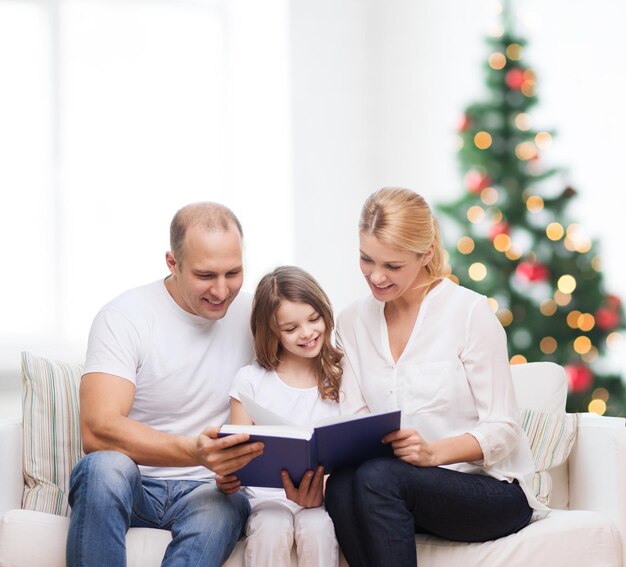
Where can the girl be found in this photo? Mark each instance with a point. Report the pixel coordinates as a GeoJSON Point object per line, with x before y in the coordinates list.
{"type": "Point", "coordinates": [296, 375]}
{"type": "Point", "coordinates": [436, 350]}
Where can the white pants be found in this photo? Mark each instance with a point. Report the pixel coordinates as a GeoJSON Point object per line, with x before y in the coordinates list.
{"type": "Point", "coordinates": [274, 525]}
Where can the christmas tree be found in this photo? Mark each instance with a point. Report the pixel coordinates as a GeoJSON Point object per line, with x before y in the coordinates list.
{"type": "Point", "coordinates": [515, 244]}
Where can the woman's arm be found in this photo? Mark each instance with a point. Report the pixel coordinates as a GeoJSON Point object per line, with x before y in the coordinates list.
{"type": "Point", "coordinates": [409, 446]}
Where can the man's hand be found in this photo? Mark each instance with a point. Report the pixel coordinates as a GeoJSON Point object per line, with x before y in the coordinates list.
{"type": "Point", "coordinates": [310, 492]}
{"type": "Point", "coordinates": [225, 455]}
{"type": "Point", "coordinates": [228, 484]}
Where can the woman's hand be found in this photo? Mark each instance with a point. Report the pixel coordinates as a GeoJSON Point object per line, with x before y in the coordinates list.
{"type": "Point", "coordinates": [409, 446]}
{"type": "Point", "coordinates": [228, 484]}
{"type": "Point", "coordinates": [310, 492]}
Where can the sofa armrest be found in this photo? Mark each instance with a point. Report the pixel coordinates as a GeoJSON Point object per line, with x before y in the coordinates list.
{"type": "Point", "coordinates": [597, 468]}
{"type": "Point", "coordinates": [11, 479]}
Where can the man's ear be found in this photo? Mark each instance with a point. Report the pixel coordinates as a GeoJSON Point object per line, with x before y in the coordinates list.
{"type": "Point", "coordinates": [170, 260]}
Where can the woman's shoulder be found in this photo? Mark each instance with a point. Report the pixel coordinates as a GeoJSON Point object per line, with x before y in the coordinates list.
{"type": "Point", "coordinates": [452, 291]}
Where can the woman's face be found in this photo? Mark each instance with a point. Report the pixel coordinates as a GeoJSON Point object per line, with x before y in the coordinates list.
{"type": "Point", "coordinates": [390, 272]}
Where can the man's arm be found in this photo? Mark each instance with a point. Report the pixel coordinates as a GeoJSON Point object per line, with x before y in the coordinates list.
{"type": "Point", "coordinates": [106, 401]}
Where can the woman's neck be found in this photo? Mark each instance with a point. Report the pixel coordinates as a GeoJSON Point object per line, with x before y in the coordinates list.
{"type": "Point", "coordinates": [297, 371]}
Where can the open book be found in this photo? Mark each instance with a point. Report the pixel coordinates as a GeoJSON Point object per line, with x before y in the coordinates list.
{"type": "Point", "coordinates": [333, 442]}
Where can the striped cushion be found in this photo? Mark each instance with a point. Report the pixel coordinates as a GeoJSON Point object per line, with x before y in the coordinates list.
{"type": "Point", "coordinates": [51, 443]}
{"type": "Point", "coordinates": [551, 437]}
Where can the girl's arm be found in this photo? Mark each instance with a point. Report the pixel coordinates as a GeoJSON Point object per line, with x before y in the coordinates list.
{"type": "Point", "coordinates": [230, 484]}
{"type": "Point", "coordinates": [238, 414]}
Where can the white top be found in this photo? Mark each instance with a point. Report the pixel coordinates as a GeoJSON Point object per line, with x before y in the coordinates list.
{"type": "Point", "coordinates": [301, 406]}
{"type": "Point", "coordinates": [452, 378]}
{"type": "Point", "coordinates": [182, 365]}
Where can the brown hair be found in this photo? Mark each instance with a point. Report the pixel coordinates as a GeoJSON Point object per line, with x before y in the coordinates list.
{"type": "Point", "coordinates": [294, 284]}
{"type": "Point", "coordinates": [402, 219]}
{"type": "Point", "coordinates": [212, 216]}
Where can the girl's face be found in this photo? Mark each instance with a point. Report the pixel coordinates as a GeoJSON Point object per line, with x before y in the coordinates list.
{"type": "Point", "coordinates": [389, 272]}
{"type": "Point", "coordinates": [302, 329]}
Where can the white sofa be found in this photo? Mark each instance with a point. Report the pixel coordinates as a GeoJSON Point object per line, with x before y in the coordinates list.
{"type": "Point", "coordinates": [585, 527]}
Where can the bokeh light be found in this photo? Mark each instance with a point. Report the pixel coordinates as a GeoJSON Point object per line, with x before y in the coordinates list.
{"type": "Point", "coordinates": [489, 196]}
{"type": "Point", "coordinates": [582, 344]}
{"type": "Point", "coordinates": [566, 284]}
{"type": "Point", "coordinates": [526, 151]}
{"type": "Point", "coordinates": [514, 51]}
{"type": "Point", "coordinates": [497, 61]}
{"type": "Point", "coordinates": [548, 307]}
{"type": "Point", "coordinates": [475, 214]}
{"type": "Point", "coordinates": [534, 203]}
{"type": "Point", "coordinates": [522, 121]}
{"type": "Point", "coordinates": [482, 140]}
{"type": "Point", "coordinates": [597, 406]}
{"type": "Point", "coordinates": [465, 245]}
{"type": "Point", "coordinates": [543, 140]}
{"type": "Point", "coordinates": [477, 271]}
{"type": "Point", "coordinates": [548, 345]}
{"type": "Point", "coordinates": [555, 231]}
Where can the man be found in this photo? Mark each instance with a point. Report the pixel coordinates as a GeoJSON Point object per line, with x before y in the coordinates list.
{"type": "Point", "coordinates": [160, 362]}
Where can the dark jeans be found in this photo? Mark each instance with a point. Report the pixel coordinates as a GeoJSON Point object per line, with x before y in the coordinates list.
{"type": "Point", "coordinates": [378, 508]}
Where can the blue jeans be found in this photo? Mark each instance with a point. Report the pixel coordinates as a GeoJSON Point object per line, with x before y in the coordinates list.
{"type": "Point", "coordinates": [108, 496]}
{"type": "Point", "coordinates": [378, 508]}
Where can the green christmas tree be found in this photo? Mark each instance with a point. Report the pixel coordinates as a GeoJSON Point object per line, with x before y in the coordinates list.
{"type": "Point", "coordinates": [514, 243]}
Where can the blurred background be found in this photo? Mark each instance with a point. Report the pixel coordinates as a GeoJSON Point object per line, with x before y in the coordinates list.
{"type": "Point", "coordinates": [115, 113]}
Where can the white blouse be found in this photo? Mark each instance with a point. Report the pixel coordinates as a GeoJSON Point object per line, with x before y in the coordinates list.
{"type": "Point", "coordinates": [453, 377]}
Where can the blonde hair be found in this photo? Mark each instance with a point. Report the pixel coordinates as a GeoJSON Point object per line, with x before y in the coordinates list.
{"type": "Point", "coordinates": [402, 219]}
{"type": "Point", "coordinates": [294, 284]}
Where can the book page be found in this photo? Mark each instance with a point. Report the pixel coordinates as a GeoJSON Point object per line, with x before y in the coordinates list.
{"type": "Point", "coordinates": [261, 415]}
{"type": "Point", "coordinates": [285, 431]}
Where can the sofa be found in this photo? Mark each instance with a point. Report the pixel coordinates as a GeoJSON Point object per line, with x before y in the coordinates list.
{"type": "Point", "coordinates": [579, 462]}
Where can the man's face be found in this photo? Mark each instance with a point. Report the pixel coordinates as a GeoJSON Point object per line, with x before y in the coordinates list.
{"type": "Point", "coordinates": [211, 274]}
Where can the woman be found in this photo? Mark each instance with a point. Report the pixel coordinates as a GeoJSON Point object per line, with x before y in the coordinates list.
{"type": "Point", "coordinates": [436, 351]}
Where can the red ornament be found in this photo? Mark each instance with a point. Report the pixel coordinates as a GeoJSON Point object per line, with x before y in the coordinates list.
{"type": "Point", "coordinates": [498, 228]}
{"type": "Point", "coordinates": [514, 79]}
{"type": "Point", "coordinates": [476, 181]}
{"type": "Point", "coordinates": [607, 319]}
{"type": "Point", "coordinates": [464, 123]}
{"type": "Point", "coordinates": [579, 377]}
{"type": "Point", "coordinates": [613, 302]}
{"type": "Point", "coordinates": [532, 271]}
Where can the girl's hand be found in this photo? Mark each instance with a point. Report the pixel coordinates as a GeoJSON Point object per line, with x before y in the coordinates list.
{"type": "Point", "coordinates": [228, 484]}
{"type": "Point", "coordinates": [310, 493]}
{"type": "Point", "coordinates": [409, 446]}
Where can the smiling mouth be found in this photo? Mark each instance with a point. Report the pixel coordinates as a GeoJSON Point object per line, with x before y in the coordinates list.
{"type": "Point", "coordinates": [215, 301]}
{"type": "Point", "coordinates": [311, 343]}
{"type": "Point", "coordinates": [381, 287]}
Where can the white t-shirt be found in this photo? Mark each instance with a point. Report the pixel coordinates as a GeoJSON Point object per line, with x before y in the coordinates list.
{"type": "Point", "coordinates": [301, 406]}
{"type": "Point", "coordinates": [453, 377]}
{"type": "Point", "coordinates": [182, 365]}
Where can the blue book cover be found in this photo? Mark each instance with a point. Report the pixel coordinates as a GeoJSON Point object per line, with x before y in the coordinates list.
{"type": "Point", "coordinates": [334, 443]}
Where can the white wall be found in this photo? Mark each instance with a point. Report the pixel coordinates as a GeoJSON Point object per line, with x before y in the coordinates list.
{"type": "Point", "coordinates": [326, 101]}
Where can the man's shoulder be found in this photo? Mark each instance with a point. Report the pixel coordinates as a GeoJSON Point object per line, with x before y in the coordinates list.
{"type": "Point", "coordinates": [136, 297]}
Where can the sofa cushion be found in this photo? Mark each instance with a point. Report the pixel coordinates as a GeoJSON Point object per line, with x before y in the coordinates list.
{"type": "Point", "coordinates": [51, 434]}
{"type": "Point", "coordinates": [551, 437]}
{"type": "Point", "coordinates": [563, 539]}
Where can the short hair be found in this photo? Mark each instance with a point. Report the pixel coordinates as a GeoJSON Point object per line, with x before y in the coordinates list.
{"type": "Point", "coordinates": [294, 284]}
{"type": "Point", "coordinates": [213, 217]}
{"type": "Point", "coordinates": [402, 219]}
